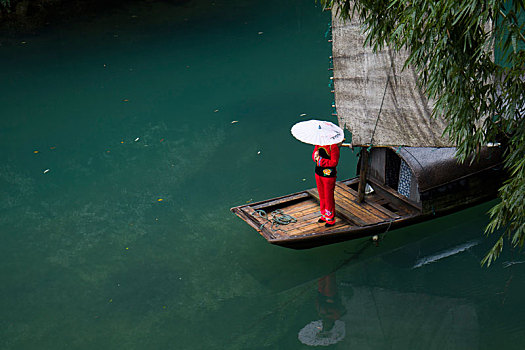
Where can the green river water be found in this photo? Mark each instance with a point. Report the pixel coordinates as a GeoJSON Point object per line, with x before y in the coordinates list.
{"type": "Point", "coordinates": [126, 137]}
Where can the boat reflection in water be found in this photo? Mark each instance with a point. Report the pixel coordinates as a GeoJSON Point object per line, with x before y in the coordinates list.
{"type": "Point", "coordinates": [369, 317]}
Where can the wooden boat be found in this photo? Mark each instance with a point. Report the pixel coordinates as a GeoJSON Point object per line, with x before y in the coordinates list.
{"type": "Point", "coordinates": [405, 159]}
{"type": "Point", "coordinates": [353, 220]}
{"type": "Point", "coordinates": [438, 187]}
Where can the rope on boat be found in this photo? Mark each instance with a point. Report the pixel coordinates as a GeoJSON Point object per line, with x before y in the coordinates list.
{"type": "Point", "coordinates": [277, 218]}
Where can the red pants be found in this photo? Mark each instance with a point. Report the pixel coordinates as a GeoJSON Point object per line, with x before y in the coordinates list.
{"type": "Point", "coordinates": [326, 187]}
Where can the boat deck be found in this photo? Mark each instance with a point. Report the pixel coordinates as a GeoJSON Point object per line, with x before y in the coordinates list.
{"type": "Point", "coordinates": [381, 210]}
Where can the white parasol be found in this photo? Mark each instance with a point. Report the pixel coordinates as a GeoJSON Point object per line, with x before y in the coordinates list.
{"type": "Point", "coordinates": [318, 132]}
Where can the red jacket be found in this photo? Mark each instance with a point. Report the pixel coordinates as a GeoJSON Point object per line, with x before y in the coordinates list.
{"type": "Point", "coordinates": [333, 153]}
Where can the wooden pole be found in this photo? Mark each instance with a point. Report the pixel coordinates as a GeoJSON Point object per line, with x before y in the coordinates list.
{"type": "Point", "coordinates": [362, 175]}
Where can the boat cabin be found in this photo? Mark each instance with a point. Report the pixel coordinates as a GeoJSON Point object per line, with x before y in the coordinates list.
{"type": "Point", "coordinates": [432, 178]}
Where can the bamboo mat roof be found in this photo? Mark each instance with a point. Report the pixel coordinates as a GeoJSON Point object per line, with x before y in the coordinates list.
{"type": "Point", "coordinates": [366, 83]}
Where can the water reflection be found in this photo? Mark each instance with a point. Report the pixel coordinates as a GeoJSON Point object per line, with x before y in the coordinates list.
{"type": "Point", "coordinates": [389, 296]}
{"type": "Point", "coordinates": [330, 329]}
{"type": "Point", "coordinates": [373, 317]}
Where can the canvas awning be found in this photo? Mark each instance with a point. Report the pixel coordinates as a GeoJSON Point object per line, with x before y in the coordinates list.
{"type": "Point", "coordinates": [362, 78]}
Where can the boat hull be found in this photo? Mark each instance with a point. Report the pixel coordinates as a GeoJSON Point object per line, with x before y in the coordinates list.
{"type": "Point", "coordinates": [376, 215]}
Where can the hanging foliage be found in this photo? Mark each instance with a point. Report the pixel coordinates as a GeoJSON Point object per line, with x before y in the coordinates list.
{"type": "Point", "coordinates": [5, 5]}
{"type": "Point", "coordinates": [470, 58]}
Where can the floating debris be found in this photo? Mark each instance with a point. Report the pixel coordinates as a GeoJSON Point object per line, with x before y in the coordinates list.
{"type": "Point", "coordinates": [302, 115]}
{"type": "Point", "coordinates": [161, 140]}
{"type": "Point", "coordinates": [260, 33]}
{"type": "Point", "coordinates": [234, 121]}
{"type": "Point", "coordinates": [125, 100]}
{"type": "Point", "coordinates": [160, 200]}
{"type": "Point", "coordinates": [215, 111]}
{"type": "Point", "coordinates": [258, 152]}
{"type": "Point", "coordinates": [138, 138]}
{"type": "Point", "coordinates": [46, 171]}
{"type": "Point", "coordinates": [52, 147]}
{"type": "Point", "coordinates": [35, 152]}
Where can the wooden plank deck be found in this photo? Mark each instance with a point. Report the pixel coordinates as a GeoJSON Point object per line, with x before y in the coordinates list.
{"type": "Point", "coordinates": [360, 214]}
{"type": "Point", "coordinates": [353, 219]}
{"type": "Point", "coordinates": [368, 202]}
{"type": "Point", "coordinates": [341, 210]}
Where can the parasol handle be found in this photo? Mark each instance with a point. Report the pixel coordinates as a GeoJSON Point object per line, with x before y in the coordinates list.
{"type": "Point", "coordinates": [349, 145]}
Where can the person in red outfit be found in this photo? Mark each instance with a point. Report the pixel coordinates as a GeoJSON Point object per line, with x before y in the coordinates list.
{"type": "Point", "coordinates": [326, 159]}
